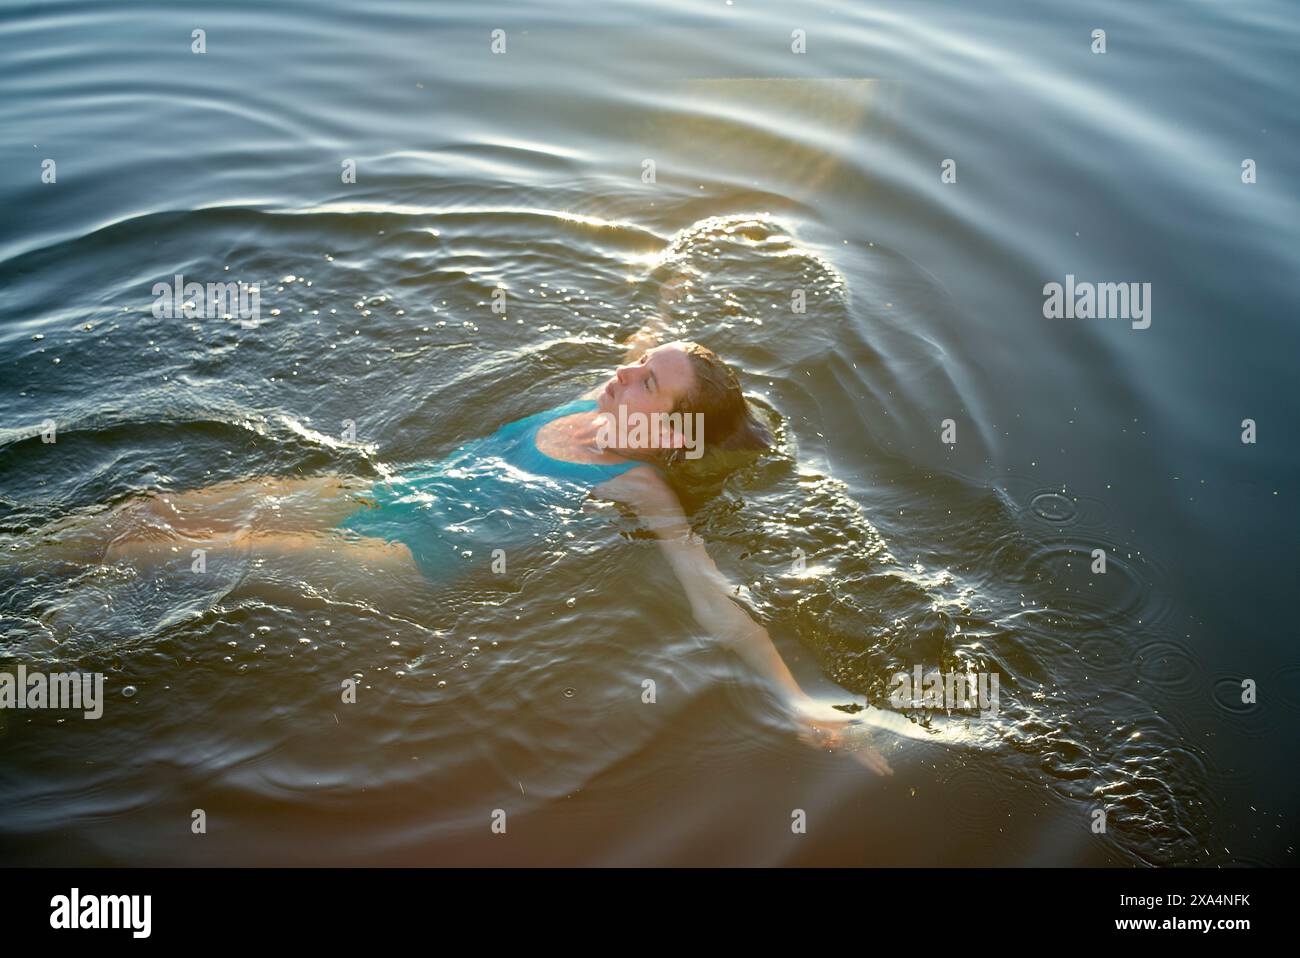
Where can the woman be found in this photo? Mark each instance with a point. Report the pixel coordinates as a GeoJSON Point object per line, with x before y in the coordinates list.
{"type": "Point", "coordinates": [495, 492]}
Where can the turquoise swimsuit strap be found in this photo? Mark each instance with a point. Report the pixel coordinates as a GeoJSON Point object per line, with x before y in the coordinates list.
{"type": "Point", "coordinates": [584, 472]}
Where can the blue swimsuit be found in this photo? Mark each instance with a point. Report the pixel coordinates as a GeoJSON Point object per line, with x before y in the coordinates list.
{"type": "Point", "coordinates": [489, 494]}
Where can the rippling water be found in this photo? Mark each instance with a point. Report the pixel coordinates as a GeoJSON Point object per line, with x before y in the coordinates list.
{"type": "Point", "coordinates": [774, 171]}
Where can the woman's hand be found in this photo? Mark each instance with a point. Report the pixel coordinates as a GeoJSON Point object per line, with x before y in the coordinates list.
{"type": "Point", "coordinates": [671, 293]}
{"type": "Point", "coordinates": [825, 727]}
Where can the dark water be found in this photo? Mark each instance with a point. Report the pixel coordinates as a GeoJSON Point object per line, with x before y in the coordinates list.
{"type": "Point", "coordinates": [775, 171]}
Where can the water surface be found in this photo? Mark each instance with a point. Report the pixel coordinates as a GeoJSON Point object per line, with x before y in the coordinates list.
{"type": "Point", "coordinates": [774, 171]}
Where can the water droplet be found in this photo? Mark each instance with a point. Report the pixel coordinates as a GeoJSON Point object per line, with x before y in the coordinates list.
{"type": "Point", "coordinates": [1053, 507]}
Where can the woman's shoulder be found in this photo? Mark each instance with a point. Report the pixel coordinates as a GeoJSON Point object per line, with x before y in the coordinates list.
{"type": "Point", "coordinates": [555, 412]}
{"type": "Point", "coordinates": [581, 404]}
{"type": "Point", "coordinates": [534, 421]}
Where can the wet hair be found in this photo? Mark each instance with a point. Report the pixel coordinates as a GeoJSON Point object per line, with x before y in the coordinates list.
{"type": "Point", "coordinates": [729, 421]}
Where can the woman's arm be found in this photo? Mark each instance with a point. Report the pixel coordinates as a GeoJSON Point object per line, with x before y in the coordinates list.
{"type": "Point", "coordinates": [649, 335]}
{"type": "Point", "coordinates": [710, 597]}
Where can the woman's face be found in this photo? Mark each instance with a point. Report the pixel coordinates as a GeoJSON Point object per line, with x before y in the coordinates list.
{"type": "Point", "coordinates": [652, 384]}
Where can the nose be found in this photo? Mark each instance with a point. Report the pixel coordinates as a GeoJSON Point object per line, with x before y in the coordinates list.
{"type": "Point", "coordinates": [622, 374]}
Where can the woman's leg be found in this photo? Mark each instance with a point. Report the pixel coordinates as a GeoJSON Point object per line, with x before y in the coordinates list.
{"type": "Point", "coordinates": [362, 552]}
{"type": "Point", "coordinates": [275, 538]}
{"type": "Point", "coordinates": [266, 504]}
{"type": "Point", "coordinates": [271, 514]}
